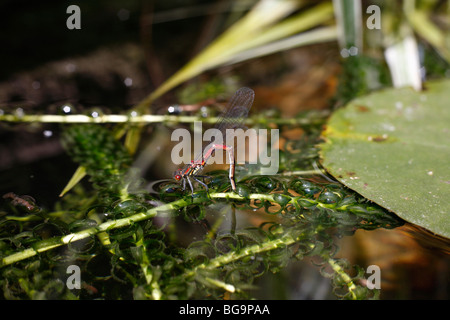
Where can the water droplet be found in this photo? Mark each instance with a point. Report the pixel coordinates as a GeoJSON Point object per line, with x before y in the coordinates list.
{"type": "Point", "coordinates": [134, 113]}
{"type": "Point", "coordinates": [70, 67]}
{"type": "Point", "coordinates": [95, 112]}
{"type": "Point", "coordinates": [344, 53]}
{"type": "Point", "coordinates": [48, 133]}
{"type": "Point", "coordinates": [66, 108]}
{"type": "Point", "coordinates": [204, 111]}
{"type": "Point", "coordinates": [388, 126]}
{"type": "Point", "coordinates": [174, 109]}
{"type": "Point", "coordinates": [128, 82]}
{"type": "Point", "coordinates": [19, 112]}
{"type": "Point", "coordinates": [123, 14]}
{"type": "Point", "coordinates": [36, 85]}
{"type": "Point", "coordinates": [353, 51]}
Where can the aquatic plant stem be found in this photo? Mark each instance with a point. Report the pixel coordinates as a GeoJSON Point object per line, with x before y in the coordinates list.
{"type": "Point", "coordinates": [249, 251]}
{"type": "Point", "coordinates": [48, 244]}
{"type": "Point", "coordinates": [104, 118]}
{"type": "Point", "coordinates": [148, 272]}
{"type": "Point", "coordinates": [267, 246]}
{"type": "Point", "coordinates": [344, 276]}
{"type": "Point", "coordinates": [149, 118]}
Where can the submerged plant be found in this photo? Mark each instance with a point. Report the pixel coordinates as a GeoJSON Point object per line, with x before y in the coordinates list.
{"type": "Point", "coordinates": [130, 243]}
{"type": "Point", "coordinates": [126, 242]}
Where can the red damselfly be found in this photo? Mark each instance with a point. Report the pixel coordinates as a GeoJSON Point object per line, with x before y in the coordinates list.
{"type": "Point", "coordinates": [232, 118]}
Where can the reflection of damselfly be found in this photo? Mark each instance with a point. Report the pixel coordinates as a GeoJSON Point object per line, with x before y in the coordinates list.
{"type": "Point", "coordinates": [232, 118]}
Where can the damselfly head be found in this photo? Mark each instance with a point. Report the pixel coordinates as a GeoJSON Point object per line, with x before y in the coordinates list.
{"type": "Point", "coordinates": [177, 175]}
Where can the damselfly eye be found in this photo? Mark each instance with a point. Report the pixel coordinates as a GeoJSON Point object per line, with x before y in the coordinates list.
{"type": "Point", "coordinates": [177, 177]}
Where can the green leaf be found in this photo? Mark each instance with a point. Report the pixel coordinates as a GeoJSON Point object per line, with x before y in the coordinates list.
{"type": "Point", "coordinates": [79, 174]}
{"type": "Point", "coordinates": [423, 25]}
{"type": "Point", "coordinates": [349, 20]}
{"type": "Point", "coordinates": [264, 24]}
{"type": "Point", "coordinates": [393, 147]}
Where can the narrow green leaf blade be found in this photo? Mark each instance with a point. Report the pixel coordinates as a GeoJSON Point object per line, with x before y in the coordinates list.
{"type": "Point", "coordinates": [77, 176]}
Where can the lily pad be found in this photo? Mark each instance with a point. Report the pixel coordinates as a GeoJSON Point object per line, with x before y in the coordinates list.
{"type": "Point", "coordinates": [393, 147]}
